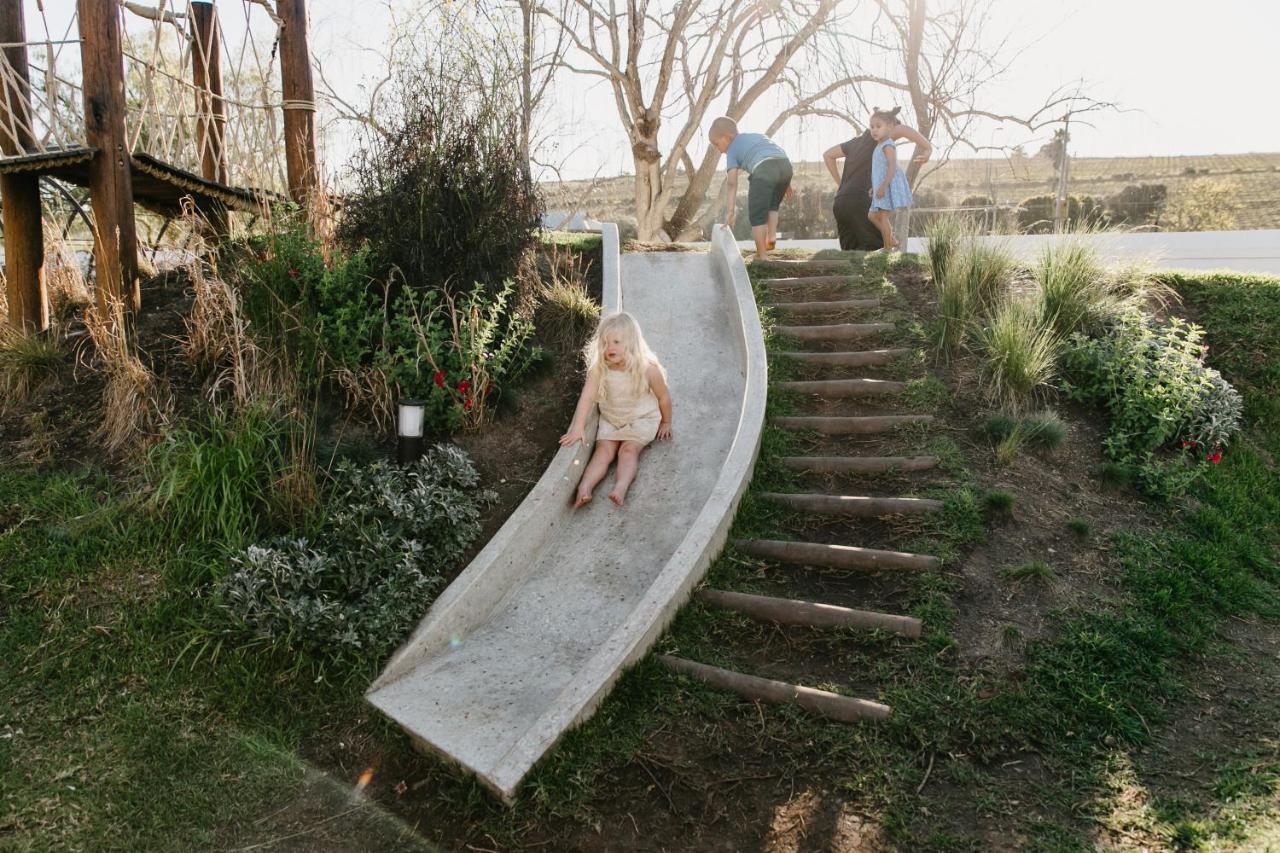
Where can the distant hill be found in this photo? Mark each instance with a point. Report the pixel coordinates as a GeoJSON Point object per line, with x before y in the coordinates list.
{"type": "Point", "coordinates": [1254, 180]}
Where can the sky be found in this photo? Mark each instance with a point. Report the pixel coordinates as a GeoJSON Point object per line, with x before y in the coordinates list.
{"type": "Point", "coordinates": [1191, 77]}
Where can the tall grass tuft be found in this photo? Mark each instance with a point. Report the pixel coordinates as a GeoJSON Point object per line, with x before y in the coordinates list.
{"type": "Point", "coordinates": [28, 361]}
{"type": "Point", "coordinates": [1071, 286]}
{"type": "Point", "coordinates": [988, 270]}
{"type": "Point", "coordinates": [976, 283]}
{"type": "Point", "coordinates": [946, 235]}
{"type": "Point", "coordinates": [1019, 355]}
{"type": "Point", "coordinates": [216, 481]}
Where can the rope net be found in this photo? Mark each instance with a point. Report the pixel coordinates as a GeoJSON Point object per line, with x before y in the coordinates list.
{"type": "Point", "coordinates": [167, 115]}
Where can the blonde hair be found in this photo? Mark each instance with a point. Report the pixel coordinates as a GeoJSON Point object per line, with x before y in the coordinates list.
{"type": "Point", "coordinates": [636, 355]}
{"type": "Point", "coordinates": [723, 126]}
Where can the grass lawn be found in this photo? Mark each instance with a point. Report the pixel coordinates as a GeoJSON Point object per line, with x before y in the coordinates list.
{"type": "Point", "coordinates": [1151, 721]}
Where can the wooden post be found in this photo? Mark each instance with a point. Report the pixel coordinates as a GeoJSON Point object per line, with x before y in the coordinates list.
{"type": "Point", "coordinates": [115, 241]}
{"type": "Point", "coordinates": [23, 230]}
{"type": "Point", "coordinates": [211, 107]}
{"type": "Point", "coordinates": [299, 102]}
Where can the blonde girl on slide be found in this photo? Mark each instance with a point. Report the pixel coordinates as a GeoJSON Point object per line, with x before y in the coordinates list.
{"type": "Point", "coordinates": [627, 383]}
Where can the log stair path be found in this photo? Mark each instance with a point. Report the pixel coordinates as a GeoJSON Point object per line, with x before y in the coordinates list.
{"type": "Point", "coordinates": [798, 287]}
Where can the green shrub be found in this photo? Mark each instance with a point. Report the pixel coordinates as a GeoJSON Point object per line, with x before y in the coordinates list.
{"type": "Point", "coordinates": [438, 192]}
{"type": "Point", "coordinates": [214, 480]}
{"type": "Point", "coordinates": [1205, 204]}
{"type": "Point", "coordinates": [390, 537]}
{"type": "Point", "coordinates": [1035, 214]}
{"type": "Point", "coordinates": [1136, 204]}
{"type": "Point", "coordinates": [1045, 430]}
{"type": "Point", "coordinates": [1018, 355]}
{"type": "Point", "coordinates": [1079, 527]}
{"type": "Point", "coordinates": [998, 502]}
{"type": "Point", "coordinates": [341, 325]}
{"type": "Point", "coordinates": [1152, 381]}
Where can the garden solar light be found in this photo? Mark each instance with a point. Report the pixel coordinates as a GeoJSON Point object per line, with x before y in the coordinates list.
{"type": "Point", "coordinates": [409, 431]}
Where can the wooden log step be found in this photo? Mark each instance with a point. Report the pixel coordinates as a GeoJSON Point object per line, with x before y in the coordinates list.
{"type": "Point", "coordinates": [857, 506]}
{"type": "Point", "coordinates": [863, 358]}
{"type": "Point", "coordinates": [843, 708]}
{"type": "Point", "coordinates": [859, 464]}
{"type": "Point", "coordinates": [806, 309]}
{"type": "Point", "coordinates": [835, 332]}
{"type": "Point", "coordinates": [844, 387]}
{"type": "Point", "coordinates": [856, 425]}
{"type": "Point", "coordinates": [809, 280]}
{"type": "Point", "coordinates": [834, 556]}
{"type": "Point", "coordinates": [787, 611]}
{"type": "Point", "coordinates": [815, 263]}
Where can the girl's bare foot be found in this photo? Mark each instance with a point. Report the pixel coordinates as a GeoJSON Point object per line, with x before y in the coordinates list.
{"type": "Point", "coordinates": [617, 499]}
{"type": "Point", "coordinates": [584, 498]}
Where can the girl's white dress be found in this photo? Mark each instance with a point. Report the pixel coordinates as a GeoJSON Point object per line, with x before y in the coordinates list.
{"type": "Point", "coordinates": [625, 415]}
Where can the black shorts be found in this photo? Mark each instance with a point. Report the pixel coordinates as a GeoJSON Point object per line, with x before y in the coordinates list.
{"type": "Point", "coordinates": [765, 189]}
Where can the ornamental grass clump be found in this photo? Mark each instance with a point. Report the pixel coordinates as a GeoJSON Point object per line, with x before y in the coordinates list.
{"type": "Point", "coordinates": [1018, 356]}
{"type": "Point", "coordinates": [353, 590]}
{"type": "Point", "coordinates": [946, 235]}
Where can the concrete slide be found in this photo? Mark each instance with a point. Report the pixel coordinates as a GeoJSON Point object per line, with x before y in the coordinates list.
{"type": "Point", "coordinates": [532, 635]}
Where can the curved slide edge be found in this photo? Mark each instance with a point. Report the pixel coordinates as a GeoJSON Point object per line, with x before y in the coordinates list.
{"type": "Point", "coordinates": [493, 581]}
{"type": "Point", "coordinates": [491, 574]}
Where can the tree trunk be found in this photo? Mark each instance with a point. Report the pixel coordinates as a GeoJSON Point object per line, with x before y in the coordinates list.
{"type": "Point", "coordinates": [651, 194]}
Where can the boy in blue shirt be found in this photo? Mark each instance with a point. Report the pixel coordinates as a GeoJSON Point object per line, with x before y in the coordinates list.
{"type": "Point", "coordinates": [769, 179]}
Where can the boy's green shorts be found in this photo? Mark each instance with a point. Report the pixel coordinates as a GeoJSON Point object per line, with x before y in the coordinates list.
{"type": "Point", "coordinates": [765, 188]}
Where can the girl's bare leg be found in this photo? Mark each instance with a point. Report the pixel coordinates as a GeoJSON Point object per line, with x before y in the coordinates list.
{"type": "Point", "coordinates": [628, 463]}
{"type": "Point", "coordinates": [772, 239]}
{"type": "Point", "coordinates": [596, 469]}
{"type": "Point", "coordinates": [881, 219]}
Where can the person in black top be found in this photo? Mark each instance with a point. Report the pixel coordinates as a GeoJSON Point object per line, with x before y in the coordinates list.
{"type": "Point", "coordinates": [853, 198]}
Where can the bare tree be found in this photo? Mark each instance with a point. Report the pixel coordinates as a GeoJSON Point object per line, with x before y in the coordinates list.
{"type": "Point", "coordinates": [945, 54]}
{"type": "Point", "coordinates": [493, 40]}
{"type": "Point", "coordinates": [681, 62]}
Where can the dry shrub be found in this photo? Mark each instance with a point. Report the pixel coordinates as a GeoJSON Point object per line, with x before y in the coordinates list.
{"type": "Point", "coordinates": [135, 405]}
{"type": "Point", "coordinates": [369, 390]}
{"type": "Point", "coordinates": [64, 279]}
{"type": "Point", "coordinates": [218, 342]}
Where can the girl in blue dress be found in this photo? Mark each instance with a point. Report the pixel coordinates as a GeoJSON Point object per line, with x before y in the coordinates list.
{"type": "Point", "coordinates": [889, 190]}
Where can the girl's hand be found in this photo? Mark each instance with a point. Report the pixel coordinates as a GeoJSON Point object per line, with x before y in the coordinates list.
{"type": "Point", "coordinates": [573, 436]}
{"type": "Point", "coordinates": [880, 192]}
{"type": "Point", "coordinates": [664, 431]}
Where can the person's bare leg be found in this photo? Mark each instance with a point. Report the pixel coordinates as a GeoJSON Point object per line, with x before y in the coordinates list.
{"type": "Point", "coordinates": [628, 464]}
{"type": "Point", "coordinates": [880, 218]}
{"type": "Point", "coordinates": [596, 469]}
{"type": "Point", "coordinates": [772, 239]}
{"type": "Point", "coordinates": [760, 233]}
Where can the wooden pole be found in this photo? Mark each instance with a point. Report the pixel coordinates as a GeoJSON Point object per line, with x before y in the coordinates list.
{"type": "Point", "coordinates": [299, 102]}
{"type": "Point", "coordinates": [23, 231]}
{"type": "Point", "coordinates": [846, 709]}
{"type": "Point", "coordinates": [115, 241]}
{"type": "Point", "coordinates": [211, 107]}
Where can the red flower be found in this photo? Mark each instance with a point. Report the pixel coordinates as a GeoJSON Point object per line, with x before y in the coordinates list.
{"type": "Point", "coordinates": [464, 386]}
{"type": "Point", "coordinates": [467, 404]}
{"type": "Point", "coordinates": [401, 787]}
{"type": "Point", "coordinates": [293, 272]}
{"type": "Point", "coordinates": [262, 256]}
{"type": "Point", "coordinates": [1187, 444]}
{"type": "Point", "coordinates": [439, 378]}
{"type": "Point", "coordinates": [1215, 457]}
